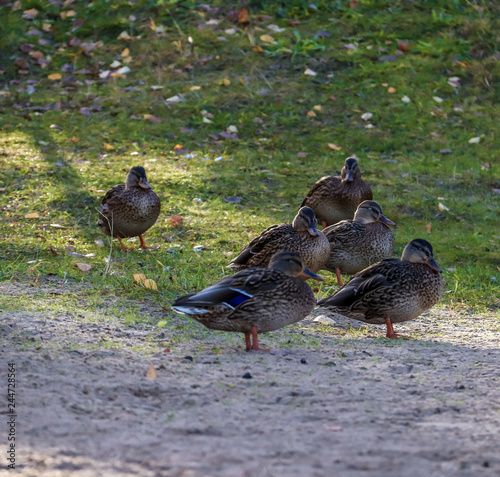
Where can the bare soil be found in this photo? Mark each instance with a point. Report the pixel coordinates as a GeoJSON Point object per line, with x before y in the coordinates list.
{"type": "Point", "coordinates": [345, 402]}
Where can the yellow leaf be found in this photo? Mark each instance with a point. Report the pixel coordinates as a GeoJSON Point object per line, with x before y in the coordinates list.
{"type": "Point", "coordinates": [139, 278]}
{"type": "Point", "coordinates": [33, 215]}
{"type": "Point", "coordinates": [124, 36]}
{"type": "Point", "coordinates": [311, 114]}
{"type": "Point", "coordinates": [84, 267]}
{"type": "Point", "coordinates": [151, 373]}
{"type": "Point", "coordinates": [334, 146]}
{"type": "Point", "coordinates": [194, 88]}
{"type": "Point", "coordinates": [152, 24]}
{"type": "Point", "coordinates": [178, 146]}
{"type": "Point", "coordinates": [151, 284]}
{"type": "Point", "coordinates": [267, 38]}
{"type": "Point", "coordinates": [55, 76]}
{"type": "Point", "coordinates": [258, 49]}
{"type": "Point", "coordinates": [108, 147]}
{"type": "Point", "coordinates": [318, 107]}
{"type": "Point", "coordinates": [125, 53]}
{"type": "Point", "coordinates": [225, 82]}
{"type": "Point", "coordinates": [391, 90]}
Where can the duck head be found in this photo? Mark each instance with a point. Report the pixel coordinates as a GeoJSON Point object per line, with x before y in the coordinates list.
{"type": "Point", "coordinates": [305, 220]}
{"type": "Point", "coordinates": [137, 178]}
{"type": "Point", "coordinates": [291, 264]}
{"type": "Point", "coordinates": [420, 251]}
{"type": "Point", "coordinates": [350, 171]}
{"type": "Point", "coordinates": [369, 211]}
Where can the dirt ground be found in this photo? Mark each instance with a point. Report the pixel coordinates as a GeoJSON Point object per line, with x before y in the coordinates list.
{"type": "Point", "coordinates": [353, 404]}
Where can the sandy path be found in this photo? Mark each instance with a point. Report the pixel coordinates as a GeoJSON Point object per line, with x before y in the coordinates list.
{"type": "Point", "coordinates": [348, 405]}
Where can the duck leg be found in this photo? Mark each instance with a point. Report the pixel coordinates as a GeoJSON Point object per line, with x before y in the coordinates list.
{"type": "Point", "coordinates": [255, 345]}
{"type": "Point", "coordinates": [125, 249]}
{"type": "Point", "coordinates": [248, 342]}
{"type": "Point", "coordinates": [339, 278]}
{"type": "Point", "coordinates": [390, 329]}
{"type": "Point", "coordinates": [143, 244]}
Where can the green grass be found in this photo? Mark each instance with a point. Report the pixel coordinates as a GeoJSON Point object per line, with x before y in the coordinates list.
{"type": "Point", "coordinates": [258, 87]}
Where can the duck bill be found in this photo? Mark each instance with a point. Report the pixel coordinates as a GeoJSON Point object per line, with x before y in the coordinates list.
{"type": "Point", "coordinates": [306, 273]}
{"type": "Point", "coordinates": [431, 263]}
{"type": "Point", "coordinates": [384, 220]}
{"type": "Point", "coordinates": [312, 230]}
{"type": "Point", "coordinates": [349, 177]}
{"type": "Point", "coordinates": [144, 184]}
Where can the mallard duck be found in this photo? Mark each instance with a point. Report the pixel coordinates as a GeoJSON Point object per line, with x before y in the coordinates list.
{"type": "Point", "coordinates": [255, 300]}
{"type": "Point", "coordinates": [391, 291]}
{"type": "Point", "coordinates": [335, 198]}
{"type": "Point", "coordinates": [128, 210]}
{"type": "Point", "coordinates": [300, 236]}
{"type": "Point", "coordinates": [356, 244]}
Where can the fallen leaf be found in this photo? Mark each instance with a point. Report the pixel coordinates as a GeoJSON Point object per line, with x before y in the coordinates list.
{"type": "Point", "coordinates": [151, 373]}
{"type": "Point", "coordinates": [139, 277]}
{"type": "Point", "coordinates": [176, 220]}
{"type": "Point", "coordinates": [232, 199]}
{"type": "Point", "coordinates": [428, 228]}
{"type": "Point", "coordinates": [55, 126]}
{"type": "Point", "coordinates": [54, 76]}
{"type": "Point", "coordinates": [84, 267]}
{"type": "Point", "coordinates": [391, 90]}
{"type": "Point", "coordinates": [178, 98]}
{"type": "Point", "coordinates": [32, 215]}
{"type": "Point", "coordinates": [243, 15]}
{"type": "Point", "coordinates": [194, 88]}
{"type": "Point", "coordinates": [36, 55]}
{"type": "Point", "coordinates": [437, 99]}
{"type": "Point", "coordinates": [474, 140]}
{"type": "Point", "coordinates": [366, 116]}
{"type": "Point", "coordinates": [123, 71]}
{"type": "Point", "coordinates": [387, 58]}
{"type": "Point", "coordinates": [267, 38]}
{"type": "Point", "coordinates": [198, 248]}
{"type": "Point", "coordinates": [85, 112]}
{"type": "Point", "coordinates": [354, 4]}
{"type": "Point", "coordinates": [225, 82]}
{"type": "Point", "coordinates": [30, 14]}
{"type": "Point", "coordinates": [150, 284]}
{"type": "Point", "coordinates": [318, 107]}
{"type": "Point", "coordinates": [232, 129]}
{"type": "Point", "coordinates": [442, 207]}
{"type": "Point", "coordinates": [178, 146]}
{"type": "Point", "coordinates": [405, 99]}
{"type": "Point", "coordinates": [125, 53]}
{"type": "Point", "coordinates": [311, 114]}
{"type": "Point", "coordinates": [108, 147]}
{"type": "Point", "coordinates": [276, 28]}
{"type": "Point", "coordinates": [152, 118]}
{"type": "Point", "coordinates": [74, 139]}
{"type": "Point", "coordinates": [334, 146]}
{"type": "Point", "coordinates": [124, 36]}
{"type": "Point", "coordinates": [403, 46]}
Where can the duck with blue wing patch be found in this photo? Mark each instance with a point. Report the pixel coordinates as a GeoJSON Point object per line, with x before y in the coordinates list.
{"type": "Point", "coordinates": [255, 300]}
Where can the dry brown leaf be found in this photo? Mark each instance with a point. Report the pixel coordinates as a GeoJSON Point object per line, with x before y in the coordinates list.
{"type": "Point", "coordinates": [55, 76]}
{"type": "Point", "coordinates": [318, 107]}
{"type": "Point", "coordinates": [151, 284]}
{"type": "Point", "coordinates": [84, 267]}
{"type": "Point", "coordinates": [32, 215]}
{"type": "Point", "coordinates": [74, 139]}
{"type": "Point", "coordinates": [334, 147]}
{"type": "Point", "coordinates": [151, 373]}
{"type": "Point", "coordinates": [391, 90]}
{"type": "Point", "coordinates": [176, 221]}
{"type": "Point", "coordinates": [243, 16]}
{"type": "Point", "coordinates": [428, 228]}
{"type": "Point", "coordinates": [37, 55]}
{"type": "Point", "coordinates": [151, 118]}
{"type": "Point", "coordinates": [108, 147]}
{"type": "Point", "coordinates": [139, 278]}
{"type": "Point", "coordinates": [354, 4]}
{"type": "Point", "coordinates": [125, 53]}
{"type": "Point", "coordinates": [311, 114]}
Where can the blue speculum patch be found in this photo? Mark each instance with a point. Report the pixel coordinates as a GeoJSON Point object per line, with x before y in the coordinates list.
{"type": "Point", "coordinates": [238, 300]}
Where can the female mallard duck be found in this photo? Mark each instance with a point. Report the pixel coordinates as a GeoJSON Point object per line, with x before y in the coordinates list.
{"type": "Point", "coordinates": [255, 300]}
{"type": "Point", "coordinates": [356, 244]}
{"type": "Point", "coordinates": [335, 198]}
{"type": "Point", "coordinates": [128, 210]}
{"type": "Point", "coordinates": [392, 290]}
{"type": "Point", "coordinates": [301, 236]}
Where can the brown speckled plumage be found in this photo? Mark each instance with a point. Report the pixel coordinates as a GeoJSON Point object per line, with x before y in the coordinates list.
{"type": "Point", "coordinates": [359, 243]}
{"type": "Point", "coordinates": [129, 210]}
{"type": "Point", "coordinates": [256, 299]}
{"type": "Point", "coordinates": [335, 198]}
{"type": "Point", "coordinates": [392, 290]}
{"type": "Point", "coordinates": [301, 236]}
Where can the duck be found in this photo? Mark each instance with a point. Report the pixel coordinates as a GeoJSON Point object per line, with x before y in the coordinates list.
{"type": "Point", "coordinates": [335, 198]}
{"type": "Point", "coordinates": [356, 244]}
{"type": "Point", "coordinates": [300, 236]}
{"type": "Point", "coordinates": [255, 300]}
{"type": "Point", "coordinates": [130, 209]}
{"type": "Point", "coordinates": [392, 290]}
